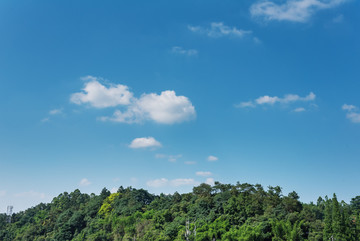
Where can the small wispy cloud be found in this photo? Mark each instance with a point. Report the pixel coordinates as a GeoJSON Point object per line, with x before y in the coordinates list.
{"type": "Point", "coordinates": [162, 182]}
{"type": "Point", "coordinates": [291, 10]}
{"type": "Point", "coordinates": [219, 29]}
{"type": "Point", "coordinates": [338, 19]}
{"type": "Point", "coordinates": [144, 142]}
{"type": "Point", "coordinates": [157, 182]}
{"type": "Point", "coordinates": [353, 113]}
{"type": "Point", "coordinates": [245, 104]}
{"type": "Point", "coordinates": [170, 158]}
{"type": "Point", "coordinates": [182, 51]}
{"type": "Point", "coordinates": [272, 100]}
{"type": "Point", "coordinates": [203, 174]}
{"type": "Point", "coordinates": [55, 111]}
{"type": "Point", "coordinates": [212, 158]}
{"type": "Point", "coordinates": [184, 182]}
{"type": "Point", "coordinates": [353, 117]}
{"type": "Point", "coordinates": [299, 109]}
{"type": "Point", "coordinates": [84, 182]}
{"type": "Point", "coordinates": [348, 107]}
{"type": "Point", "coordinates": [46, 119]}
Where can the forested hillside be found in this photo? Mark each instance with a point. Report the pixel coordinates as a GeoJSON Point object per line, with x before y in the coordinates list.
{"type": "Point", "coordinates": [219, 212]}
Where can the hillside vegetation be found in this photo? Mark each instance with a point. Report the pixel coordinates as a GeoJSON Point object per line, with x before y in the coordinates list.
{"type": "Point", "coordinates": [219, 212]}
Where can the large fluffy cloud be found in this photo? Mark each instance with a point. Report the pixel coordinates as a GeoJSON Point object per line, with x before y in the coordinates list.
{"type": "Point", "coordinates": [98, 95]}
{"type": "Point", "coordinates": [291, 10]}
{"type": "Point", "coordinates": [164, 108]}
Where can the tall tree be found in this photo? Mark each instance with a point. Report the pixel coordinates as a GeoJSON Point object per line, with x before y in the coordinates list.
{"type": "Point", "coordinates": [328, 231]}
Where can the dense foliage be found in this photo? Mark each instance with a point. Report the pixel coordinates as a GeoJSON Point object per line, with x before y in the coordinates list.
{"type": "Point", "coordinates": [219, 212]}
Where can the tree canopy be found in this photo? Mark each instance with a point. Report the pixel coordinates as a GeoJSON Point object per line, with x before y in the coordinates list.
{"type": "Point", "coordinates": [220, 212]}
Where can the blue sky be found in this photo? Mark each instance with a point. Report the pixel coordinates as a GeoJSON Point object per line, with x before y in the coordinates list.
{"type": "Point", "coordinates": [165, 95]}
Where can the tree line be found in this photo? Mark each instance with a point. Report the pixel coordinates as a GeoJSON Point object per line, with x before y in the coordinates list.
{"type": "Point", "coordinates": [219, 212]}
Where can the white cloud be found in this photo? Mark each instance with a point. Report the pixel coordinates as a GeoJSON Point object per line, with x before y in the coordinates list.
{"type": "Point", "coordinates": [144, 142]}
{"type": "Point", "coordinates": [182, 51]}
{"type": "Point", "coordinates": [210, 181]}
{"type": "Point", "coordinates": [166, 108]}
{"type": "Point", "coordinates": [353, 117]}
{"type": "Point", "coordinates": [100, 96]}
{"type": "Point", "coordinates": [30, 194]}
{"type": "Point", "coordinates": [84, 182]}
{"type": "Point", "coordinates": [183, 182]}
{"type": "Point", "coordinates": [52, 112]}
{"type": "Point", "coordinates": [348, 107]}
{"type": "Point", "coordinates": [45, 119]}
{"type": "Point", "coordinates": [299, 109]}
{"type": "Point", "coordinates": [352, 113]}
{"type": "Point", "coordinates": [245, 104]}
{"type": "Point", "coordinates": [162, 182]}
{"type": "Point", "coordinates": [291, 10]}
{"type": "Point", "coordinates": [157, 182]}
{"type": "Point", "coordinates": [174, 158]}
{"type": "Point", "coordinates": [287, 99]}
{"type": "Point", "coordinates": [55, 111]}
{"type": "Point", "coordinates": [267, 100]}
{"type": "Point", "coordinates": [203, 174]}
{"type": "Point", "coordinates": [171, 158]}
{"type": "Point", "coordinates": [212, 158]}
{"type": "Point", "coordinates": [271, 100]}
{"type": "Point", "coordinates": [113, 190]}
{"type": "Point", "coordinates": [219, 29]}
{"type": "Point", "coordinates": [89, 78]}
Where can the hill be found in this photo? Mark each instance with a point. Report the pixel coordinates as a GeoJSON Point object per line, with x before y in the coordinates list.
{"type": "Point", "coordinates": [219, 212]}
